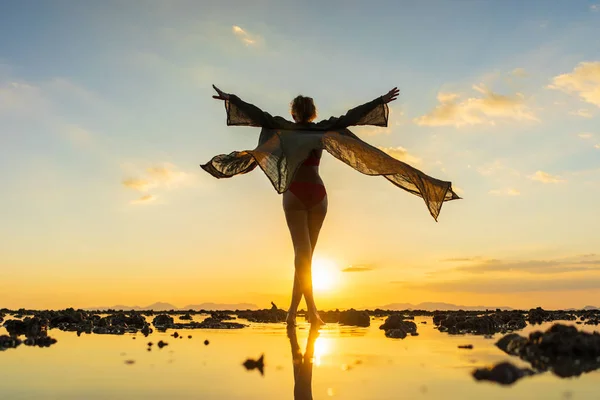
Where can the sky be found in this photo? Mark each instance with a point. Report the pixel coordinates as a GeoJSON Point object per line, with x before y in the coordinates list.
{"type": "Point", "coordinates": [106, 113]}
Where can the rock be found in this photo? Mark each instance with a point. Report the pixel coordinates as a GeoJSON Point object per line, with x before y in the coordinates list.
{"type": "Point", "coordinates": [398, 322]}
{"type": "Point", "coordinates": [206, 342]}
{"type": "Point", "coordinates": [562, 349]}
{"type": "Point", "coordinates": [175, 335]}
{"type": "Point", "coordinates": [539, 315]}
{"type": "Point", "coordinates": [187, 317]}
{"type": "Point", "coordinates": [466, 346]}
{"type": "Point", "coordinates": [461, 322]}
{"type": "Point", "coordinates": [30, 327]}
{"type": "Point", "coordinates": [162, 321]}
{"type": "Point", "coordinates": [504, 373]}
{"type": "Point", "coordinates": [355, 318]}
{"type": "Point", "coordinates": [263, 316]}
{"type": "Point", "coordinates": [162, 344]}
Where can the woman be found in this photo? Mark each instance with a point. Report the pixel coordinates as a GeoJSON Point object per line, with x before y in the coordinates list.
{"type": "Point", "coordinates": [289, 154]}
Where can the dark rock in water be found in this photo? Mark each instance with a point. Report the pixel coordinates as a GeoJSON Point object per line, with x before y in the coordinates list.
{"type": "Point", "coordinates": [189, 336]}
{"type": "Point", "coordinates": [146, 330]}
{"type": "Point", "coordinates": [150, 344]}
{"type": "Point", "coordinates": [8, 342]}
{"type": "Point", "coordinates": [264, 316]}
{"type": "Point", "coordinates": [206, 342]}
{"type": "Point", "coordinates": [355, 318]}
{"type": "Point", "coordinates": [562, 349]}
{"type": "Point", "coordinates": [539, 315]}
{"type": "Point", "coordinates": [504, 373]}
{"type": "Point", "coordinates": [187, 317]}
{"type": "Point", "coordinates": [423, 322]}
{"type": "Point", "coordinates": [398, 322]}
{"type": "Point", "coordinates": [129, 362]}
{"type": "Point", "coordinates": [466, 346]}
{"type": "Point", "coordinates": [175, 335]}
{"type": "Point", "coordinates": [255, 364]}
{"type": "Point", "coordinates": [329, 317]}
{"type": "Point", "coordinates": [40, 341]}
{"type": "Point", "coordinates": [462, 322]}
{"type": "Point", "coordinates": [162, 344]}
{"type": "Point", "coordinates": [30, 327]}
{"type": "Point", "coordinates": [162, 321]}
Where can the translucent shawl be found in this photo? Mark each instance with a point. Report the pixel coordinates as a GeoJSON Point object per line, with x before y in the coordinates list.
{"type": "Point", "coordinates": [283, 146]}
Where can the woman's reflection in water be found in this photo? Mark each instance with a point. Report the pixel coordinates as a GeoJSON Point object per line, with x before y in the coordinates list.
{"type": "Point", "coordinates": [303, 364]}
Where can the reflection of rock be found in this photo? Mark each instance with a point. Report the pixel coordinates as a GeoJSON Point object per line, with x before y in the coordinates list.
{"type": "Point", "coordinates": [462, 322]}
{"type": "Point", "coordinates": [396, 327]}
{"type": "Point", "coordinates": [562, 349]}
{"type": "Point", "coordinates": [504, 373]}
{"type": "Point", "coordinates": [186, 317]}
{"type": "Point", "coordinates": [8, 342]}
{"type": "Point", "coordinates": [355, 318]}
{"type": "Point", "coordinates": [255, 364]}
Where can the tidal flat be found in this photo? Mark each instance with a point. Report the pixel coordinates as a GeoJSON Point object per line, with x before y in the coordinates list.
{"type": "Point", "coordinates": [75, 354]}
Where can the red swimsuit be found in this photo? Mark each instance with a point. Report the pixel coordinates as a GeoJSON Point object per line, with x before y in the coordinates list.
{"type": "Point", "coordinates": [309, 193]}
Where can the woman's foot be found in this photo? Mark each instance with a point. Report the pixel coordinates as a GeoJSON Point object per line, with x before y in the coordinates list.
{"type": "Point", "coordinates": [290, 320]}
{"type": "Point", "coordinates": [315, 319]}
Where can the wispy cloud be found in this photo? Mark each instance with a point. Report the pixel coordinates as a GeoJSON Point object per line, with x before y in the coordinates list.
{"type": "Point", "coordinates": [545, 177]}
{"type": "Point", "coordinates": [584, 81]}
{"type": "Point", "coordinates": [462, 259]}
{"type": "Point", "coordinates": [484, 109]}
{"type": "Point", "coordinates": [243, 35]}
{"type": "Point", "coordinates": [401, 154]}
{"type": "Point", "coordinates": [164, 176]}
{"type": "Point", "coordinates": [505, 192]}
{"type": "Point", "coordinates": [519, 72]}
{"type": "Point", "coordinates": [358, 268]}
{"type": "Point", "coordinates": [586, 135]}
{"type": "Point", "coordinates": [497, 167]}
{"type": "Point", "coordinates": [597, 146]}
{"type": "Point", "coordinates": [595, 7]}
{"type": "Point", "coordinates": [145, 199]}
{"type": "Point", "coordinates": [532, 266]}
{"type": "Point", "coordinates": [582, 112]}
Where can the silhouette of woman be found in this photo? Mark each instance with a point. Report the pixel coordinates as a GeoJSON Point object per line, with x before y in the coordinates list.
{"type": "Point", "coordinates": [303, 364]}
{"type": "Point", "coordinates": [289, 154]}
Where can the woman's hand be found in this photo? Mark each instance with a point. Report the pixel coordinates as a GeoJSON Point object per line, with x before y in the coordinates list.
{"type": "Point", "coordinates": [390, 96]}
{"type": "Point", "coordinates": [222, 95]}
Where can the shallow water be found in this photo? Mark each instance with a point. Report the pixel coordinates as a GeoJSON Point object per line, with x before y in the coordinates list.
{"type": "Point", "coordinates": [348, 363]}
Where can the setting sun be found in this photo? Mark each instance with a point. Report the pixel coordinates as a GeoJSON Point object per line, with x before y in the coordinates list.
{"type": "Point", "coordinates": [325, 274]}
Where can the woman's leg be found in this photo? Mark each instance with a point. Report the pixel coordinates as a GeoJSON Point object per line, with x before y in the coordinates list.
{"type": "Point", "coordinates": [297, 220]}
{"type": "Point", "coordinates": [316, 216]}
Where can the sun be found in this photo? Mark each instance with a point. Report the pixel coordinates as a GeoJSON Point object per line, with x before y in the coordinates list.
{"type": "Point", "coordinates": [325, 275]}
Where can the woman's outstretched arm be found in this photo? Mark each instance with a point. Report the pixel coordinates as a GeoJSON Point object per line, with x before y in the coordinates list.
{"type": "Point", "coordinates": [240, 113]}
{"type": "Point", "coordinates": [374, 112]}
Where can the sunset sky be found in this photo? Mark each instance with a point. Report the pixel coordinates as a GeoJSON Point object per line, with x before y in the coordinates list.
{"type": "Point", "coordinates": [106, 114]}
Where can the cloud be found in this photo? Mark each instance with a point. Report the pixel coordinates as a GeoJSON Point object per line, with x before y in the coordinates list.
{"type": "Point", "coordinates": [358, 268]}
{"type": "Point", "coordinates": [244, 36]}
{"type": "Point", "coordinates": [532, 266]}
{"type": "Point", "coordinates": [141, 185]}
{"type": "Point", "coordinates": [545, 177]}
{"type": "Point", "coordinates": [582, 113]}
{"type": "Point", "coordinates": [401, 154]}
{"type": "Point", "coordinates": [586, 135]}
{"type": "Point", "coordinates": [476, 110]}
{"type": "Point", "coordinates": [597, 146]}
{"type": "Point", "coordinates": [519, 72]}
{"type": "Point", "coordinates": [496, 167]}
{"type": "Point", "coordinates": [508, 285]}
{"type": "Point", "coordinates": [164, 176]}
{"type": "Point", "coordinates": [145, 199]}
{"type": "Point", "coordinates": [505, 192]}
{"type": "Point", "coordinates": [584, 81]}
{"type": "Point", "coordinates": [462, 259]}
{"type": "Point", "coordinates": [595, 7]}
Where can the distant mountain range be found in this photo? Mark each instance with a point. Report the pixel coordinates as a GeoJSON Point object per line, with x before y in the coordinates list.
{"type": "Point", "coordinates": [431, 306]}
{"type": "Point", "coordinates": [160, 306]}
